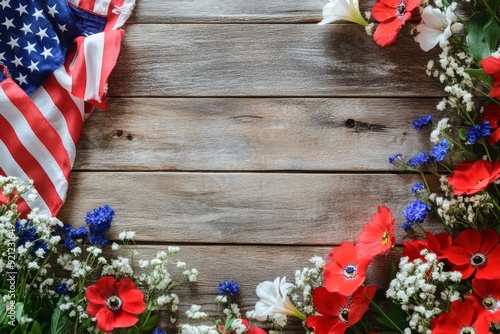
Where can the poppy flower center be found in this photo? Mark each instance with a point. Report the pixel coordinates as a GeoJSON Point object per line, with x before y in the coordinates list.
{"type": "Point", "coordinates": [467, 330]}
{"type": "Point", "coordinates": [344, 314]}
{"type": "Point", "coordinates": [401, 7]}
{"type": "Point", "coordinates": [489, 303]}
{"type": "Point", "coordinates": [385, 238]}
{"type": "Point", "coordinates": [350, 271]}
{"type": "Point", "coordinates": [478, 260]}
{"type": "Point", "coordinates": [114, 303]}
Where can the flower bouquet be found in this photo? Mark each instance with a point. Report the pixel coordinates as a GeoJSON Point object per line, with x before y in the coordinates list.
{"type": "Point", "coordinates": [445, 282]}
{"type": "Point", "coordinates": [57, 278]}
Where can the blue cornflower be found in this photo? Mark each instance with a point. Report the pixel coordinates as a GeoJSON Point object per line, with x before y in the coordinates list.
{"type": "Point", "coordinates": [78, 233]}
{"type": "Point", "coordinates": [99, 220]}
{"type": "Point", "coordinates": [61, 289]}
{"type": "Point", "coordinates": [68, 243]}
{"type": "Point", "coordinates": [26, 232]}
{"type": "Point", "coordinates": [158, 331]}
{"type": "Point", "coordinates": [228, 287]}
{"type": "Point", "coordinates": [417, 187]}
{"type": "Point", "coordinates": [474, 133]}
{"type": "Point", "coordinates": [394, 157]}
{"type": "Point", "coordinates": [439, 151]}
{"type": "Point", "coordinates": [98, 239]}
{"type": "Point", "coordinates": [415, 212]}
{"type": "Point", "coordinates": [419, 159]}
{"type": "Point", "coordinates": [420, 122]}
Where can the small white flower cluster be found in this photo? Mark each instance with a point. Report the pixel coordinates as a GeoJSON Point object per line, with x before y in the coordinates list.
{"type": "Point", "coordinates": [305, 281]}
{"type": "Point", "coordinates": [159, 279]}
{"type": "Point", "coordinates": [441, 131]}
{"type": "Point", "coordinates": [197, 329]}
{"type": "Point", "coordinates": [451, 70]}
{"type": "Point", "coordinates": [460, 209]}
{"type": "Point", "coordinates": [417, 285]}
{"type": "Point", "coordinates": [194, 313]}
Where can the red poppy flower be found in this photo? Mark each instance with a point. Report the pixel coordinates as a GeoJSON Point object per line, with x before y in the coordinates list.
{"type": "Point", "coordinates": [337, 314]}
{"type": "Point", "coordinates": [491, 65]}
{"type": "Point", "coordinates": [474, 251]}
{"type": "Point", "coordinates": [434, 243]}
{"type": "Point", "coordinates": [464, 317]}
{"type": "Point", "coordinates": [377, 236]}
{"type": "Point", "coordinates": [391, 14]}
{"type": "Point", "coordinates": [115, 304]}
{"type": "Point", "coordinates": [472, 176]}
{"type": "Point", "coordinates": [492, 115]}
{"type": "Point", "coordinates": [346, 272]}
{"type": "Point", "coordinates": [487, 293]}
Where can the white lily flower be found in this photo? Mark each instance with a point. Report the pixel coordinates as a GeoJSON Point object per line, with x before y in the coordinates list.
{"type": "Point", "coordinates": [347, 10]}
{"type": "Point", "coordinates": [435, 27]}
{"type": "Point", "coordinates": [274, 300]}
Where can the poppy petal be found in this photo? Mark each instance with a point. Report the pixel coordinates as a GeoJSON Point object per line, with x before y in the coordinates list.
{"type": "Point", "coordinates": [124, 319]}
{"type": "Point", "coordinates": [93, 296]}
{"type": "Point", "coordinates": [105, 320]}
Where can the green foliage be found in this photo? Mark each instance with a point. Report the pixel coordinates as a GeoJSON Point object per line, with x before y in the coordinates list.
{"type": "Point", "coordinates": [59, 323]}
{"type": "Point", "coordinates": [484, 33]}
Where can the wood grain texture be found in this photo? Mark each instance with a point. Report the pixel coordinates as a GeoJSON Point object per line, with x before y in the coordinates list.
{"type": "Point", "coordinates": [252, 134]}
{"type": "Point", "coordinates": [182, 11]}
{"type": "Point", "coordinates": [202, 60]}
{"type": "Point", "coordinates": [239, 208]}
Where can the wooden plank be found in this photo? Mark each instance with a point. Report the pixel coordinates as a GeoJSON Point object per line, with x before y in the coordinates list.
{"type": "Point", "coordinates": [267, 60]}
{"type": "Point", "coordinates": [252, 134]}
{"type": "Point", "coordinates": [247, 265]}
{"type": "Point", "coordinates": [257, 11]}
{"type": "Point", "coordinates": [239, 208]}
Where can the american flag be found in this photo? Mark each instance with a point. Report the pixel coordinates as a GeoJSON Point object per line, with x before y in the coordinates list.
{"type": "Point", "coordinates": [55, 60]}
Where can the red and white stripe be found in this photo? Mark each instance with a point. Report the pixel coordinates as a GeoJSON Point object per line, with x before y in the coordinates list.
{"type": "Point", "coordinates": [39, 133]}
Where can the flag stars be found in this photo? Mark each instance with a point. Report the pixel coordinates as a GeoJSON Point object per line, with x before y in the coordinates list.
{"type": "Point", "coordinates": [53, 11]}
{"type": "Point", "coordinates": [46, 52]}
{"type": "Point", "coordinates": [63, 28]}
{"type": "Point", "coordinates": [22, 9]}
{"type": "Point", "coordinates": [42, 33]}
{"type": "Point", "coordinates": [17, 61]}
{"type": "Point", "coordinates": [38, 14]}
{"type": "Point", "coordinates": [33, 66]}
{"type": "Point", "coordinates": [26, 29]}
{"type": "Point", "coordinates": [30, 47]}
{"type": "Point", "coordinates": [2, 56]}
{"type": "Point", "coordinates": [21, 79]}
{"type": "Point", "coordinates": [8, 23]}
{"type": "Point", "coordinates": [5, 3]}
{"type": "Point", "coordinates": [13, 42]}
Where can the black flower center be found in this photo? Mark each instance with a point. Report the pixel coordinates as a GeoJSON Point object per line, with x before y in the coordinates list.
{"type": "Point", "coordinates": [350, 271]}
{"type": "Point", "coordinates": [401, 7]}
{"type": "Point", "coordinates": [114, 303]}
{"type": "Point", "coordinates": [478, 260]}
{"type": "Point", "coordinates": [467, 330]}
{"type": "Point", "coordinates": [489, 303]}
{"type": "Point", "coordinates": [344, 314]}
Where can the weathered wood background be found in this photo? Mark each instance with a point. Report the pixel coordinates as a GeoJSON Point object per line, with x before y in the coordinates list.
{"type": "Point", "coordinates": [251, 137]}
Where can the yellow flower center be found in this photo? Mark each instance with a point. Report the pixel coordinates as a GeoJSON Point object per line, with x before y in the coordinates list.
{"type": "Point", "coordinates": [385, 238]}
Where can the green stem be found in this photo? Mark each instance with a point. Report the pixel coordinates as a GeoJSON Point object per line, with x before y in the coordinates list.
{"type": "Point", "coordinates": [383, 314]}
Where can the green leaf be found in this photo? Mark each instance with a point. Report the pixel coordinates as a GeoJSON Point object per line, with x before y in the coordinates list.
{"type": "Point", "coordinates": [19, 308]}
{"type": "Point", "coordinates": [480, 75]}
{"type": "Point", "coordinates": [36, 328]}
{"type": "Point", "coordinates": [462, 133]}
{"type": "Point", "coordinates": [59, 323]}
{"type": "Point", "coordinates": [484, 33]}
{"type": "Point", "coordinates": [3, 313]}
{"type": "Point", "coordinates": [150, 324]}
{"type": "Point", "coordinates": [494, 4]}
